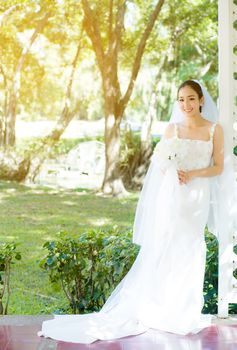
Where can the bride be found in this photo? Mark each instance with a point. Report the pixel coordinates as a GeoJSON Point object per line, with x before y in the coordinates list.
{"type": "Point", "coordinates": [181, 193]}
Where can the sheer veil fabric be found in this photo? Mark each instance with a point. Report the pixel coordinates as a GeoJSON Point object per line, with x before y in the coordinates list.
{"type": "Point", "coordinates": [163, 290]}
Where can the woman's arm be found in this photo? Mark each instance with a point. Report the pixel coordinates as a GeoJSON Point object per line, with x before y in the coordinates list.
{"type": "Point", "coordinates": [218, 160]}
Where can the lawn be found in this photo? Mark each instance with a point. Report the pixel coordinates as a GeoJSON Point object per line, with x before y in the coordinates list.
{"type": "Point", "coordinates": [33, 215]}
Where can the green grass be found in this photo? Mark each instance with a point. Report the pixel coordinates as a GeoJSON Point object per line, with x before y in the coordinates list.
{"type": "Point", "coordinates": [33, 215]}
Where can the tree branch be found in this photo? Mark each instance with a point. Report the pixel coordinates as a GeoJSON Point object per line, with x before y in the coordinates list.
{"type": "Point", "coordinates": [68, 294]}
{"type": "Point", "coordinates": [119, 23]}
{"type": "Point", "coordinates": [139, 53]}
{"type": "Point", "coordinates": [115, 36]}
{"type": "Point", "coordinates": [6, 97]}
{"type": "Point", "coordinates": [8, 287]}
{"type": "Point", "coordinates": [65, 118]}
{"type": "Point", "coordinates": [110, 29]}
{"type": "Point", "coordinates": [113, 49]}
{"type": "Point", "coordinates": [7, 12]}
{"type": "Point", "coordinates": [26, 49]}
{"type": "Point", "coordinates": [15, 88]}
{"type": "Point", "coordinates": [93, 31]}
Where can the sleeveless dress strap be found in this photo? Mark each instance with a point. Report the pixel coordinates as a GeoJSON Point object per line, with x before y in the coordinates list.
{"type": "Point", "coordinates": [212, 129]}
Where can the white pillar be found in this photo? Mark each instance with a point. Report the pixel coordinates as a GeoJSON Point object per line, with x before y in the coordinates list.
{"type": "Point", "coordinates": [226, 109]}
{"type": "Point", "coordinates": [226, 83]}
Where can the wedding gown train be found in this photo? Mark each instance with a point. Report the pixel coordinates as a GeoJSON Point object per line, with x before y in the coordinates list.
{"type": "Point", "coordinates": [163, 290]}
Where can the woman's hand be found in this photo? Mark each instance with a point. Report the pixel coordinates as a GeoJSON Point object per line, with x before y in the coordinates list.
{"type": "Point", "coordinates": [185, 176]}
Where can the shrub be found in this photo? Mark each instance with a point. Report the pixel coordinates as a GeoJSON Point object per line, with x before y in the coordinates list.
{"type": "Point", "coordinates": [134, 160]}
{"type": "Point", "coordinates": [211, 275]}
{"type": "Point", "coordinates": [89, 268]}
{"type": "Point", "coordinates": [7, 254]}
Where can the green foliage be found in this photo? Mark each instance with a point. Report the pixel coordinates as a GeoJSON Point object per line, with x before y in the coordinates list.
{"type": "Point", "coordinates": [89, 268]}
{"type": "Point", "coordinates": [182, 46]}
{"type": "Point", "coordinates": [47, 67]}
{"type": "Point", "coordinates": [31, 215]}
{"type": "Point", "coordinates": [63, 146]}
{"type": "Point", "coordinates": [131, 157]}
{"type": "Point", "coordinates": [211, 275]}
{"type": "Point", "coordinates": [185, 33]}
{"type": "Point", "coordinates": [235, 150]}
{"type": "Point", "coordinates": [8, 254]}
{"type": "Point", "coordinates": [130, 147]}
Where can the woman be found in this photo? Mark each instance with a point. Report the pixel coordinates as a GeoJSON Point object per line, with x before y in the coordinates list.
{"type": "Point", "coordinates": [164, 288]}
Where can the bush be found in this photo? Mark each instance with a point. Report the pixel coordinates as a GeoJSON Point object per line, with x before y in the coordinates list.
{"type": "Point", "coordinates": [211, 278]}
{"type": "Point", "coordinates": [7, 254]}
{"type": "Point", "coordinates": [134, 160]}
{"type": "Point", "coordinates": [211, 275]}
{"type": "Point", "coordinates": [89, 268]}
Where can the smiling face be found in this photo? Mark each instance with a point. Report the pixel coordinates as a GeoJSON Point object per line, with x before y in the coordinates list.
{"type": "Point", "coordinates": [189, 101]}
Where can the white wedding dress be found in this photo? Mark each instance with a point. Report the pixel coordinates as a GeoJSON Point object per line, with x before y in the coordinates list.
{"type": "Point", "coordinates": [163, 290]}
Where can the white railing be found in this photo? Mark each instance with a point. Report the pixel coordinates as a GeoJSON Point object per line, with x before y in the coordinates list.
{"type": "Point", "coordinates": [227, 284]}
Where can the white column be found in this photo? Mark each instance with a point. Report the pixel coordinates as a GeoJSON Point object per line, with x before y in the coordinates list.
{"type": "Point", "coordinates": [226, 83]}
{"type": "Point", "coordinates": [226, 108]}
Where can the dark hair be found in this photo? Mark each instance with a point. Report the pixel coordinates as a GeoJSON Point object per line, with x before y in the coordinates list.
{"type": "Point", "coordinates": [195, 86]}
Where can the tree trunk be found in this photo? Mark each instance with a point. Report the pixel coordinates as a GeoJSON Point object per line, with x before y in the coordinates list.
{"type": "Point", "coordinates": [146, 143]}
{"type": "Point", "coordinates": [10, 132]}
{"type": "Point", "coordinates": [15, 88]}
{"type": "Point", "coordinates": [147, 124]}
{"type": "Point", "coordinates": [66, 116]}
{"type": "Point", "coordinates": [140, 163]}
{"type": "Point", "coordinates": [112, 182]}
{"type": "Point", "coordinates": [146, 140]}
{"type": "Point", "coordinates": [115, 105]}
{"type": "Point", "coordinates": [2, 121]}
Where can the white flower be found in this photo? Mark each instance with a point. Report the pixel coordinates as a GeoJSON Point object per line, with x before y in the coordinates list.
{"type": "Point", "coordinates": [165, 155]}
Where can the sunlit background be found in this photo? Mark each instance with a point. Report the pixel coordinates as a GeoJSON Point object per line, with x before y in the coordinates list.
{"type": "Point", "coordinates": [86, 89]}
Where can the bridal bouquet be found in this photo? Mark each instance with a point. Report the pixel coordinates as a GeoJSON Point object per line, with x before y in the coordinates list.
{"type": "Point", "coordinates": [165, 154]}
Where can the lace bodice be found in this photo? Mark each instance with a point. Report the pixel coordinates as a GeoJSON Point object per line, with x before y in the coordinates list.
{"type": "Point", "coordinates": [188, 154]}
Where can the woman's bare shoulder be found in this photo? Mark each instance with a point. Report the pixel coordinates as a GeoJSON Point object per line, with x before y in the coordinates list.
{"type": "Point", "coordinates": [218, 131]}
{"type": "Point", "coordinates": [218, 126]}
{"type": "Point", "coordinates": [169, 130]}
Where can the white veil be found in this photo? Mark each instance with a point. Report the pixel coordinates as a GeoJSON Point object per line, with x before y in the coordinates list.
{"type": "Point", "coordinates": [223, 204]}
